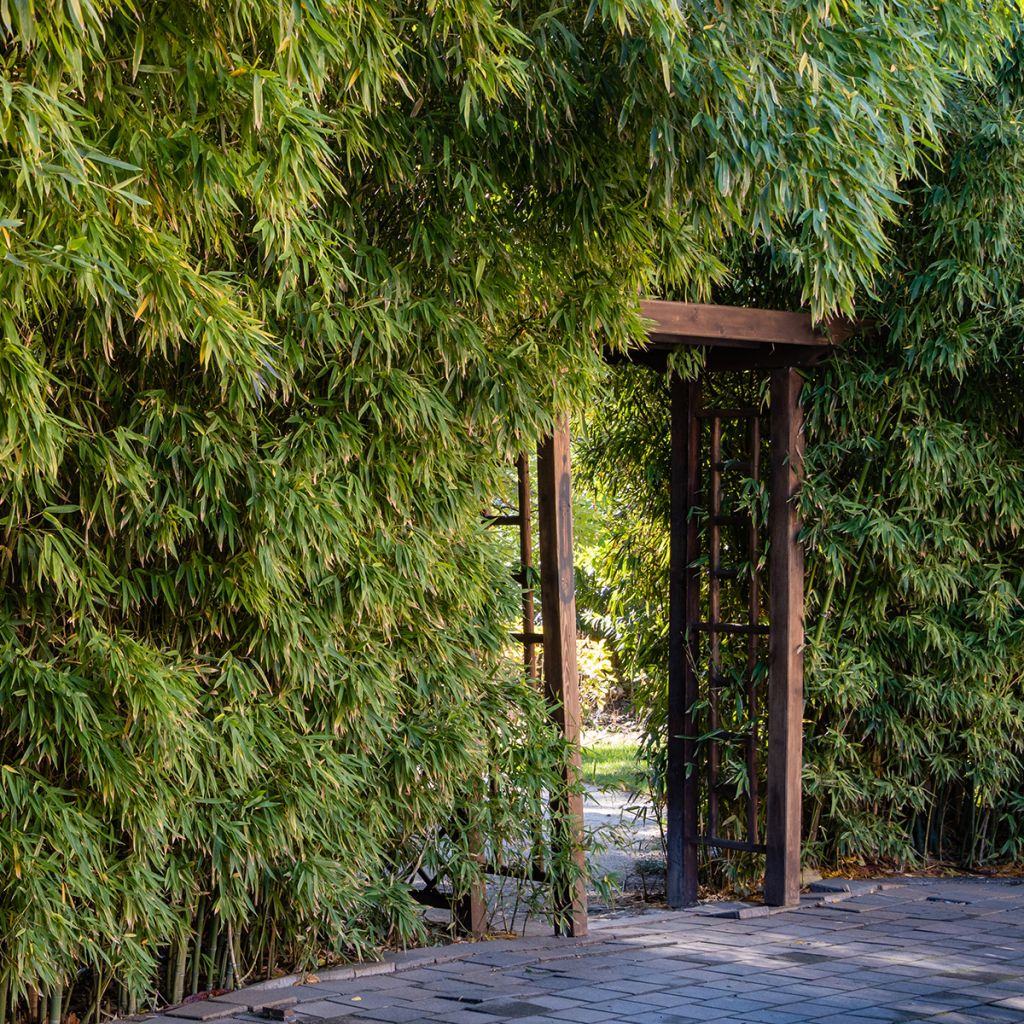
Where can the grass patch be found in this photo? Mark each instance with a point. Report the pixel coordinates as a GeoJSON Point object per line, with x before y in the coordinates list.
{"type": "Point", "coordinates": [609, 761]}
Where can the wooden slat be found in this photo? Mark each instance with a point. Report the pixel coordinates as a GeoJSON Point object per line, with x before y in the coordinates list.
{"type": "Point", "coordinates": [561, 677]}
{"type": "Point", "coordinates": [785, 644]}
{"type": "Point", "coordinates": [470, 912]}
{"type": "Point", "coordinates": [666, 342]}
{"type": "Point", "coordinates": [526, 873]}
{"type": "Point", "coordinates": [530, 638]}
{"type": "Point", "coordinates": [432, 898]}
{"type": "Point", "coordinates": [501, 520]}
{"type": "Point", "coordinates": [730, 323]}
{"type": "Point", "coordinates": [733, 628]}
{"type": "Point", "coordinates": [682, 786]}
{"type": "Point", "coordinates": [731, 844]}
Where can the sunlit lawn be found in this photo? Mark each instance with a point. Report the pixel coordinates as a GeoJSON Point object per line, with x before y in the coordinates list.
{"type": "Point", "coordinates": [609, 760]}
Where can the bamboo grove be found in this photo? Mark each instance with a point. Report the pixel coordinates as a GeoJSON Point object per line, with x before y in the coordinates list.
{"type": "Point", "coordinates": [913, 509]}
{"type": "Point", "coordinates": [284, 288]}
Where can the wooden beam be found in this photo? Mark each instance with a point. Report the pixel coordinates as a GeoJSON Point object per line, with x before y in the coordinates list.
{"type": "Point", "coordinates": [785, 644]}
{"type": "Point", "coordinates": [725, 357]}
{"type": "Point", "coordinates": [730, 323]}
{"type": "Point", "coordinates": [561, 677]}
{"type": "Point", "coordinates": [681, 784]}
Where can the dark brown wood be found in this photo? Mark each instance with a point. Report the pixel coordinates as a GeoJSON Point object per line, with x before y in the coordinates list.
{"type": "Point", "coordinates": [529, 640]}
{"type": "Point", "coordinates": [731, 323]}
{"type": "Point", "coordinates": [715, 626]}
{"type": "Point", "coordinates": [735, 628]}
{"type": "Point", "coordinates": [723, 357]}
{"type": "Point", "coordinates": [470, 912]}
{"type": "Point", "coordinates": [432, 898]}
{"type": "Point", "coordinates": [530, 637]}
{"type": "Point", "coordinates": [501, 521]}
{"type": "Point", "coordinates": [666, 340]}
{"type": "Point", "coordinates": [754, 615]}
{"type": "Point", "coordinates": [682, 782]}
{"type": "Point", "coordinates": [785, 644]}
{"type": "Point", "coordinates": [530, 873]}
{"type": "Point", "coordinates": [731, 844]}
{"type": "Point", "coordinates": [561, 677]}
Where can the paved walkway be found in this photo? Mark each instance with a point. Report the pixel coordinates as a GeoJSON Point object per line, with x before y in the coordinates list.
{"type": "Point", "coordinates": [949, 952]}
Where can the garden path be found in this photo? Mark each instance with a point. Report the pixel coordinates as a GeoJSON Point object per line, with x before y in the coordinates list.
{"type": "Point", "coordinates": [907, 950]}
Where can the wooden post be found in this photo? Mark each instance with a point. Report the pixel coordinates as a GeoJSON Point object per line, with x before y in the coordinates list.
{"type": "Point", "coordinates": [470, 911]}
{"type": "Point", "coordinates": [785, 644]}
{"type": "Point", "coordinates": [682, 779]}
{"type": "Point", "coordinates": [561, 677]}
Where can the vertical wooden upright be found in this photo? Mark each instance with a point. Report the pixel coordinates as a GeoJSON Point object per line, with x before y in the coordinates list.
{"type": "Point", "coordinates": [682, 783]}
{"type": "Point", "coordinates": [561, 677]}
{"type": "Point", "coordinates": [470, 912]}
{"type": "Point", "coordinates": [785, 644]}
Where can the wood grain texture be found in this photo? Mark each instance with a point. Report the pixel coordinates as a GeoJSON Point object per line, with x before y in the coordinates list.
{"type": "Point", "coordinates": [785, 644]}
{"type": "Point", "coordinates": [730, 323]}
{"type": "Point", "coordinates": [682, 788]}
{"type": "Point", "coordinates": [561, 676]}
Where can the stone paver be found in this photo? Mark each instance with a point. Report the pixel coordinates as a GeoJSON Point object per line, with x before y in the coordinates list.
{"type": "Point", "coordinates": [945, 951]}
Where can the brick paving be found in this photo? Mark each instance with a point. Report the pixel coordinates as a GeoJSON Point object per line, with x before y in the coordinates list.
{"type": "Point", "coordinates": [914, 950]}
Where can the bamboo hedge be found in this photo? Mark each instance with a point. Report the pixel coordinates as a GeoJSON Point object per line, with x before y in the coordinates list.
{"type": "Point", "coordinates": [284, 288]}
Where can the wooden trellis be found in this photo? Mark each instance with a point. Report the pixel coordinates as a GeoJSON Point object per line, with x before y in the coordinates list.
{"type": "Point", "coordinates": [755, 341]}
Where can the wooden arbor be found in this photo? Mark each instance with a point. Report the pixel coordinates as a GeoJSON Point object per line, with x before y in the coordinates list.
{"type": "Point", "coordinates": [752, 340]}
{"type": "Point", "coordinates": [762, 341]}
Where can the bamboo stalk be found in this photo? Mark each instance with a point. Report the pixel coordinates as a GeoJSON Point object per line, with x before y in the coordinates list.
{"type": "Point", "coordinates": [232, 979]}
{"type": "Point", "coordinates": [44, 1008]}
{"type": "Point", "coordinates": [178, 984]}
{"type": "Point", "coordinates": [4, 987]}
{"type": "Point", "coordinates": [211, 953]}
{"type": "Point", "coordinates": [101, 989]}
{"type": "Point", "coordinates": [272, 951]}
{"type": "Point", "coordinates": [198, 955]}
{"type": "Point", "coordinates": [222, 974]}
{"type": "Point", "coordinates": [54, 1016]}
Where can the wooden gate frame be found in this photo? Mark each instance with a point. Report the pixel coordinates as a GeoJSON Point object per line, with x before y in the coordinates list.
{"type": "Point", "coordinates": [737, 339]}
{"type": "Point", "coordinates": [732, 339]}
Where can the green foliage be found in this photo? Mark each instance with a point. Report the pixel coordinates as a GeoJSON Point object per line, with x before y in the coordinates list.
{"type": "Point", "coordinates": [914, 506]}
{"type": "Point", "coordinates": [284, 287]}
{"type": "Point", "coordinates": [610, 761]}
